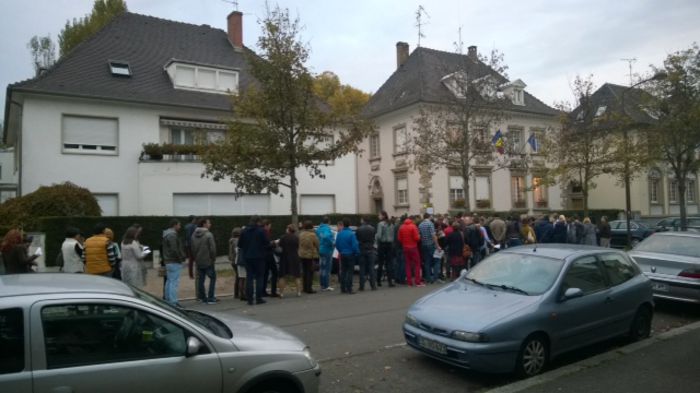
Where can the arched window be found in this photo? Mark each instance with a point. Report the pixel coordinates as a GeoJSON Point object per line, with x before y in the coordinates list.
{"type": "Point", "coordinates": [655, 186]}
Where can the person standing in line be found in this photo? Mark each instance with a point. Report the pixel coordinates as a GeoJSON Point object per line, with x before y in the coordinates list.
{"type": "Point", "coordinates": [385, 249]}
{"type": "Point", "coordinates": [114, 248]}
{"type": "Point", "coordinates": [132, 263]}
{"type": "Point", "coordinates": [589, 235]}
{"type": "Point", "coordinates": [173, 257]}
{"type": "Point", "coordinates": [526, 232]}
{"type": "Point", "coordinates": [308, 253]}
{"type": "Point", "coordinates": [604, 232]}
{"type": "Point", "coordinates": [290, 266]}
{"type": "Point", "coordinates": [428, 244]}
{"type": "Point", "coordinates": [204, 253]}
{"type": "Point", "coordinates": [348, 249]}
{"type": "Point", "coordinates": [409, 238]}
{"type": "Point", "coordinates": [72, 251]}
{"type": "Point", "coordinates": [271, 271]}
{"type": "Point", "coordinates": [253, 244]}
{"type": "Point", "coordinates": [15, 256]}
{"type": "Point", "coordinates": [543, 229]}
{"type": "Point", "coordinates": [97, 255]}
{"type": "Point", "coordinates": [399, 260]}
{"type": "Point", "coordinates": [365, 237]}
{"type": "Point", "coordinates": [190, 227]}
{"type": "Point", "coordinates": [498, 229]}
{"type": "Point", "coordinates": [513, 234]}
{"type": "Point", "coordinates": [326, 241]}
{"type": "Point", "coordinates": [455, 245]}
{"type": "Point", "coordinates": [234, 256]}
{"type": "Point", "coordinates": [559, 234]}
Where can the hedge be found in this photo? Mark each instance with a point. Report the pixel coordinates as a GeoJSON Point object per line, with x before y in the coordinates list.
{"type": "Point", "coordinates": [153, 227]}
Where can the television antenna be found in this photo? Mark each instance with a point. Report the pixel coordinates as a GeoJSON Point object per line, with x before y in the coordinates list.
{"type": "Point", "coordinates": [419, 21]}
{"type": "Point", "coordinates": [630, 61]}
{"type": "Point", "coordinates": [234, 2]}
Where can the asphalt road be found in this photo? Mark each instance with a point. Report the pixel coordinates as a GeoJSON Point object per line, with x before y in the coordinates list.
{"type": "Point", "coordinates": [359, 343]}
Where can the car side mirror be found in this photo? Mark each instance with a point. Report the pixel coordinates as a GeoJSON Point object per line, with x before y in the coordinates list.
{"type": "Point", "coordinates": [572, 293]}
{"type": "Point", "coordinates": [193, 346]}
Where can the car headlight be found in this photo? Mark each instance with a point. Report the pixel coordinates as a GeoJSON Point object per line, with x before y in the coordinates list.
{"type": "Point", "coordinates": [411, 320]}
{"type": "Point", "coordinates": [307, 353]}
{"type": "Point", "coordinates": [469, 336]}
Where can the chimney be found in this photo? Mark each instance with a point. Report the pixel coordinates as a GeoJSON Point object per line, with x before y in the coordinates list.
{"type": "Point", "coordinates": [401, 53]}
{"type": "Point", "coordinates": [471, 53]}
{"type": "Point", "coordinates": [235, 29]}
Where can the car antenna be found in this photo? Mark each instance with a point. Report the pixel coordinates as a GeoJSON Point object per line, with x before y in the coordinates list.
{"type": "Point", "coordinates": [535, 249]}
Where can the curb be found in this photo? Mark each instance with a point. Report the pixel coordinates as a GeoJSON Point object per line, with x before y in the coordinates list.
{"type": "Point", "coordinates": [593, 361]}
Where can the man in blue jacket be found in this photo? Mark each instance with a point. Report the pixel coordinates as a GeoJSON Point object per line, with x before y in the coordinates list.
{"type": "Point", "coordinates": [349, 249]}
{"type": "Point", "coordinates": [326, 244]}
{"type": "Point", "coordinates": [253, 243]}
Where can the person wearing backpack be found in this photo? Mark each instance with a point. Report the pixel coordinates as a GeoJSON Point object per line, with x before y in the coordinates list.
{"type": "Point", "coordinates": [326, 246]}
{"type": "Point", "coordinates": [71, 252]}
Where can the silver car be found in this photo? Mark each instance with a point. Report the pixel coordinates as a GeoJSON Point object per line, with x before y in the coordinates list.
{"type": "Point", "coordinates": [672, 261]}
{"type": "Point", "coordinates": [523, 306]}
{"type": "Point", "coordinates": [83, 333]}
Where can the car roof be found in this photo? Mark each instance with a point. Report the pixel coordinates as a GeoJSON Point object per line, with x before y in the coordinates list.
{"type": "Point", "coordinates": [558, 251]}
{"type": "Point", "coordinates": [51, 283]}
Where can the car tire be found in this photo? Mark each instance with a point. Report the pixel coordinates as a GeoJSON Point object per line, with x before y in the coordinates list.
{"type": "Point", "coordinates": [533, 356]}
{"type": "Point", "coordinates": [641, 324]}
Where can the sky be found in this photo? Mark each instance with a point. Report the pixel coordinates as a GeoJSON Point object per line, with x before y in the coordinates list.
{"type": "Point", "coordinates": [546, 44]}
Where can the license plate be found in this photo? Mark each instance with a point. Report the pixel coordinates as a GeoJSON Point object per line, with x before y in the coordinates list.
{"type": "Point", "coordinates": [432, 345]}
{"type": "Point", "coordinates": [661, 287]}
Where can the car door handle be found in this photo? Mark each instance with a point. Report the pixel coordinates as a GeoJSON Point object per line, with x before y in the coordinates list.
{"type": "Point", "coordinates": [609, 299]}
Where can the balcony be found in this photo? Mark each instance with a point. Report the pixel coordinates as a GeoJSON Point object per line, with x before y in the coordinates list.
{"type": "Point", "coordinates": [169, 152]}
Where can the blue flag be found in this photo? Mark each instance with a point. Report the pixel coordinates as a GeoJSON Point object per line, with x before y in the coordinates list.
{"type": "Point", "coordinates": [532, 140]}
{"type": "Point", "coordinates": [496, 137]}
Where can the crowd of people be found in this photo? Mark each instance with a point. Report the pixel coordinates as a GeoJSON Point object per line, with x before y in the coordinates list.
{"type": "Point", "coordinates": [410, 250]}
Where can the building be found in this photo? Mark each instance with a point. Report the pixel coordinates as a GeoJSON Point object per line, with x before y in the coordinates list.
{"type": "Point", "coordinates": [8, 174]}
{"type": "Point", "coordinates": [144, 80]}
{"type": "Point", "coordinates": [388, 181]}
{"type": "Point", "coordinates": [653, 192]}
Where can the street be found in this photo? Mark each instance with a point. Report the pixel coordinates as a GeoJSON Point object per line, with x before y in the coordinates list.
{"type": "Point", "coordinates": [359, 342]}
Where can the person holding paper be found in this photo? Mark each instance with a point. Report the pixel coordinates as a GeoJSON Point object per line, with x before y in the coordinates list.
{"type": "Point", "coordinates": [132, 258]}
{"type": "Point", "coordinates": [14, 250]}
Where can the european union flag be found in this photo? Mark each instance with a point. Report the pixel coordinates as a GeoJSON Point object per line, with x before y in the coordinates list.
{"type": "Point", "coordinates": [532, 140]}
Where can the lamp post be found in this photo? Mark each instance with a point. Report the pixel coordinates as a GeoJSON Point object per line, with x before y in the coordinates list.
{"type": "Point", "coordinates": [625, 136]}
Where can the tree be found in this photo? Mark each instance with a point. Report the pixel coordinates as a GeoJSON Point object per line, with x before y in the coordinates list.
{"type": "Point", "coordinates": [455, 133]}
{"type": "Point", "coordinates": [344, 100]}
{"type": "Point", "coordinates": [103, 11]}
{"type": "Point", "coordinates": [281, 126]}
{"type": "Point", "coordinates": [677, 105]}
{"type": "Point", "coordinates": [580, 150]}
{"type": "Point", "coordinates": [43, 53]}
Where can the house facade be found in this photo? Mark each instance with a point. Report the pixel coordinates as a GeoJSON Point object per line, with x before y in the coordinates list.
{"type": "Point", "coordinates": [8, 174]}
{"type": "Point", "coordinates": [145, 80]}
{"type": "Point", "coordinates": [387, 178]}
{"type": "Point", "coordinates": [654, 191]}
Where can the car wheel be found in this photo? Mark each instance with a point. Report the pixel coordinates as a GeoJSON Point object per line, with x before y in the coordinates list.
{"type": "Point", "coordinates": [533, 356]}
{"type": "Point", "coordinates": [641, 324]}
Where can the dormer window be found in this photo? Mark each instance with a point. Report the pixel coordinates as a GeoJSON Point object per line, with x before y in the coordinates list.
{"type": "Point", "coordinates": [207, 79]}
{"type": "Point", "coordinates": [456, 83]}
{"type": "Point", "coordinates": [516, 91]}
{"type": "Point", "coordinates": [119, 68]}
{"type": "Point", "coordinates": [600, 111]}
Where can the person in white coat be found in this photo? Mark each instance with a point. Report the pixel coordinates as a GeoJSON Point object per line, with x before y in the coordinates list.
{"type": "Point", "coordinates": [72, 251]}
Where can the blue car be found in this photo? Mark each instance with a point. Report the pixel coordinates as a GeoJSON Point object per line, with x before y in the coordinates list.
{"type": "Point", "coordinates": [521, 307]}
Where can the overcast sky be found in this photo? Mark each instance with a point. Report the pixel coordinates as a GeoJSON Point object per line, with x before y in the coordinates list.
{"type": "Point", "coordinates": [545, 43]}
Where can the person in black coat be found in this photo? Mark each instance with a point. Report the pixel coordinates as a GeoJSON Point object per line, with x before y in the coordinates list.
{"type": "Point", "coordinates": [559, 232]}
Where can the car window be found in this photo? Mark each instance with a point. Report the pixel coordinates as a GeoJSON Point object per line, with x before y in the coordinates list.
{"type": "Point", "coordinates": [11, 341]}
{"type": "Point", "coordinates": [83, 334]}
{"type": "Point", "coordinates": [618, 268]}
{"type": "Point", "coordinates": [530, 273]}
{"type": "Point", "coordinates": [585, 274]}
{"type": "Point", "coordinates": [679, 245]}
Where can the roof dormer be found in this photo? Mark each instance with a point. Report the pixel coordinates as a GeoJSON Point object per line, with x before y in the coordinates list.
{"type": "Point", "coordinates": [203, 78]}
{"type": "Point", "coordinates": [456, 82]}
{"type": "Point", "coordinates": [516, 91]}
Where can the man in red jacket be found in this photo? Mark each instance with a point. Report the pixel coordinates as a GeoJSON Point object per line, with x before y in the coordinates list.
{"type": "Point", "coordinates": [409, 237]}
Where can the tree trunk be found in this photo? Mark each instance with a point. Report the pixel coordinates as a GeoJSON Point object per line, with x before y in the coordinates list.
{"type": "Point", "coordinates": [682, 188]}
{"type": "Point", "coordinates": [584, 191]}
{"type": "Point", "coordinates": [293, 191]}
{"type": "Point", "coordinates": [465, 186]}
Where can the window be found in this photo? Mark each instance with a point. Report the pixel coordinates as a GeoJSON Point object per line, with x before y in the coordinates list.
{"type": "Point", "coordinates": [654, 186]}
{"type": "Point", "coordinates": [400, 140]}
{"type": "Point", "coordinates": [673, 191]}
{"type": "Point", "coordinates": [317, 204]}
{"type": "Point", "coordinates": [600, 111]}
{"type": "Point", "coordinates": [119, 68]}
{"type": "Point", "coordinates": [517, 187]}
{"type": "Point", "coordinates": [691, 191]}
{"type": "Point", "coordinates": [585, 274]}
{"type": "Point", "coordinates": [374, 146]}
{"type": "Point", "coordinates": [220, 204]}
{"type": "Point", "coordinates": [11, 341]}
{"type": "Point", "coordinates": [208, 79]}
{"type": "Point", "coordinates": [482, 191]}
{"type": "Point", "coordinates": [106, 333]}
{"type": "Point", "coordinates": [518, 97]}
{"type": "Point", "coordinates": [514, 139]}
{"type": "Point", "coordinates": [182, 136]}
{"type": "Point", "coordinates": [456, 189]}
{"type": "Point", "coordinates": [618, 268]}
{"type": "Point", "coordinates": [402, 190]}
{"type": "Point", "coordinates": [109, 203]}
{"type": "Point", "coordinates": [90, 135]}
{"type": "Point", "coordinates": [539, 192]}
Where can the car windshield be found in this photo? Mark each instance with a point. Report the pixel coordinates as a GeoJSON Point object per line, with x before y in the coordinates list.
{"type": "Point", "coordinates": [679, 245]}
{"type": "Point", "coordinates": [203, 320]}
{"type": "Point", "coordinates": [528, 274]}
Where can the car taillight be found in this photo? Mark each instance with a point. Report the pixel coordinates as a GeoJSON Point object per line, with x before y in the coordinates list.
{"type": "Point", "coordinates": [690, 273]}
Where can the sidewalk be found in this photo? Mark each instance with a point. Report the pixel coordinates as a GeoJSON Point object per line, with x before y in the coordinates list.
{"type": "Point", "coordinates": [224, 281]}
{"type": "Point", "coordinates": [668, 362]}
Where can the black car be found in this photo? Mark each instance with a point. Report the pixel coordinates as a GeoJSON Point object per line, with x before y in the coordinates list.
{"type": "Point", "coordinates": [638, 233]}
{"type": "Point", "coordinates": [674, 224]}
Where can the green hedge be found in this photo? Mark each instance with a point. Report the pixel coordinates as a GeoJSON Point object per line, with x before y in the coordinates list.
{"type": "Point", "coordinates": [153, 226]}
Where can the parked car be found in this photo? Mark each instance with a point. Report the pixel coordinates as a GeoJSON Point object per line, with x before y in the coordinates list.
{"type": "Point", "coordinates": [672, 261]}
{"type": "Point", "coordinates": [618, 229]}
{"type": "Point", "coordinates": [523, 306]}
{"type": "Point", "coordinates": [674, 224]}
{"type": "Point", "coordinates": [84, 333]}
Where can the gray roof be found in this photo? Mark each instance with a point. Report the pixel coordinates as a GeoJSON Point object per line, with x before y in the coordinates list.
{"type": "Point", "coordinates": [48, 283]}
{"type": "Point", "coordinates": [147, 44]}
{"type": "Point", "coordinates": [610, 96]}
{"type": "Point", "coordinates": [419, 80]}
